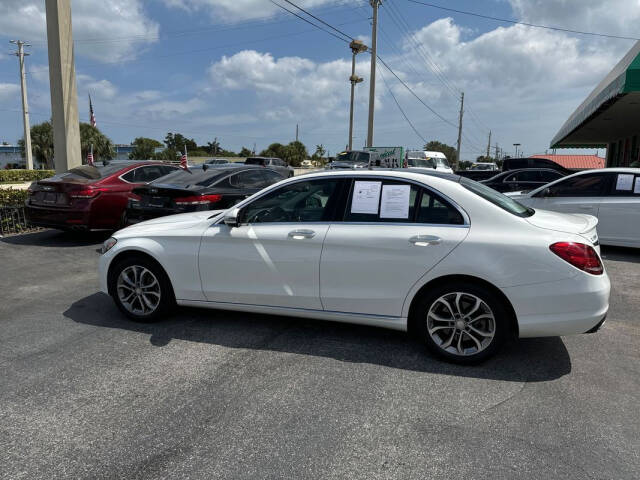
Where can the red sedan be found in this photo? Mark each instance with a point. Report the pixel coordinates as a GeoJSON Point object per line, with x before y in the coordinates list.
{"type": "Point", "coordinates": [88, 197]}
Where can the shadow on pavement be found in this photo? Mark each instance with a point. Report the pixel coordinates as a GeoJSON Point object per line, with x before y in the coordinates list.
{"type": "Point", "coordinates": [57, 238]}
{"type": "Point", "coordinates": [527, 360]}
{"type": "Point", "coordinates": [624, 254]}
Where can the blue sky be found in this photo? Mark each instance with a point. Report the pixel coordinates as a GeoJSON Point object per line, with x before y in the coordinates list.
{"type": "Point", "coordinates": [246, 72]}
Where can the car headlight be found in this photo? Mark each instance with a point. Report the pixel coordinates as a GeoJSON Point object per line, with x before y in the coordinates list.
{"type": "Point", "coordinates": [108, 244]}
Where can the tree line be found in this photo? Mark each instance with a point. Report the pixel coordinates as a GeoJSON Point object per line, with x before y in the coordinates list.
{"type": "Point", "coordinates": [174, 145]}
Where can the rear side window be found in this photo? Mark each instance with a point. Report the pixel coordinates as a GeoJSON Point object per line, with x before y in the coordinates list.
{"type": "Point", "coordinates": [625, 185]}
{"type": "Point", "coordinates": [549, 175]}
{"type": "Point", "coordinates": [272, 177]}
{"type": "Point", "coordinates": [436, 210]}
{"type": "Point", "coordinates": [590, 185]}
{"type": "Point", "coordinates": [250, 179]}
{"type": "Point", "coordinates": [524, 176]}
{"type": "Point", "coordinates": [255, 161]}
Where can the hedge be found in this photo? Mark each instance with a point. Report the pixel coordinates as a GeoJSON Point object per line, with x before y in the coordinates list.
{"type": "Point", "coordinates": [10, 197]}
{"type": "Point", "coordinates": [17, 176]}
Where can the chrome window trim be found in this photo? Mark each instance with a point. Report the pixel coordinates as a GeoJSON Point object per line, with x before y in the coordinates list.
{"type": "Point", "coordinates": [462, 211]}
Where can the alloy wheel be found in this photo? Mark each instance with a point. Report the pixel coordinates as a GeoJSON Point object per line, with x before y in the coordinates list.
{"type": "Point", "coordinates": [138, 290]}
{"type": "Point", "coordinates": [461, 323]}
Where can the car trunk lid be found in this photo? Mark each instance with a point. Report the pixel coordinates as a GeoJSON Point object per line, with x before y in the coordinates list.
{"type": "Point", "coordinates": [58, 191]}
{"type": "Point", "coordinates": [577, 223]}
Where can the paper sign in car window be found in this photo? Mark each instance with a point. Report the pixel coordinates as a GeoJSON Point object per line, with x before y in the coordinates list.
{"type": "Point", "coordinates": [395, 201]}
{"type": "Point", "coordinates": [366, 196]}
{"type": "Point", "coordinates": [625, 181]}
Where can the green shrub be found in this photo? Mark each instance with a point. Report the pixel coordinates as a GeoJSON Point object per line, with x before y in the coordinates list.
{"type": "Point", "coordinates": [18, 176]}
{"type": "Point", "coordinates": [11, 197]}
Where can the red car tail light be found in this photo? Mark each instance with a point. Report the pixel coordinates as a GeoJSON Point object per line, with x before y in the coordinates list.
{"type": "Point", "coordinates": [579, 255]}
{"type": "Point", "coordinates": [197, 199]}
{"type": "Point", "coordinates": [86, 192]}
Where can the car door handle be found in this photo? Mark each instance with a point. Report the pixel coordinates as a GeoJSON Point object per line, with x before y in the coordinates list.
{"type": "Point", "coordinates": [425, 240]}
{"type": "Point", "coordinates": [301, 234]}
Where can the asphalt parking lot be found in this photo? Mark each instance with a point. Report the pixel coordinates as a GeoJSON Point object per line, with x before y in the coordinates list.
{"type": "Point", "coordinates": [85, 393]}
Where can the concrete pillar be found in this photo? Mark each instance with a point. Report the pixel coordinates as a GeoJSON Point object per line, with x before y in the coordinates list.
{"type": "Point", "coordinates": [62, 78]}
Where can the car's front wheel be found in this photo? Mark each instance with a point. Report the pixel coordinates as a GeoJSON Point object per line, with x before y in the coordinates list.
{"type": "Point", "coordinates": [463, 323]}
{"type": "Point", "coordinates": [141, 289]}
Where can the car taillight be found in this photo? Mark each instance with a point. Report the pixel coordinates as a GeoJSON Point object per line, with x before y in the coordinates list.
{"type": "Point", "coordinates": [86, 192]}
{"type": "Point", "coordinates": [197, 199]}
{"type": "Point", "coordinates": [579, 255]}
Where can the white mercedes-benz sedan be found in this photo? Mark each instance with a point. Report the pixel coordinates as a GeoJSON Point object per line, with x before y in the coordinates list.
{"type": "Point", "coordinates": [610, 194]}
{"type": "Point", "coordinates": [454, 262]}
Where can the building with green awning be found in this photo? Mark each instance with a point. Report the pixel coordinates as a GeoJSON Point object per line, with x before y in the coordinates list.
{"type": "Point", "coordinates": [610, 116]}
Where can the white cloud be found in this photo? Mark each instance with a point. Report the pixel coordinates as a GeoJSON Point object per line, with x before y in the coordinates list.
{"type": "Point", "coordinates": [106, 31]}
{"type": "Point", "coordinates": [9, 91]}
{"type": "Point", "coordinates": [287, 87]}
{"type": "Point", "coordinates": [235, 10]}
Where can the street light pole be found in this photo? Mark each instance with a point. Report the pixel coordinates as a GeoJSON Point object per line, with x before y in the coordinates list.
{"type": "Point", "coordinates": [356, 47]}
{"type": "Point", "coordinates": [25, 104]}
{"type": "Point", "coordinates": [516, 145]}
{"type": "Point", "coordinates": [372, 78]}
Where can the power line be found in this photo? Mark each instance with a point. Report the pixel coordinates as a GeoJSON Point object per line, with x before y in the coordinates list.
{"type": "Point", "coordinates": [414, 93]}
{"type": "Point", "coordinates": [401, 110]}
{"type": "Point", "coordinates": [319, 20]}
{"type": "Point", "coordinates": [311, 23]}
{"type": "Point", "coordinates": [515, 22]}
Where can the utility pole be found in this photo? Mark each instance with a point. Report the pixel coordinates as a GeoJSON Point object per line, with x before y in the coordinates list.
{"type": "Point", "coordinates": [460, 128]}
{"type": "Point", "coordinates": [372, 78]}
{"type": "Point", "coordinates": [489, 145]}
{"type": "Point", "coordinates": [356, 47]}
{"type": "Point", "coordinates": [62, 79]}
{"type": "Point", "coordinates": [215, 147]}
{"type": "Point", "coordinates": [296, 132]}
{"type": "Point", "coordinates": [497, 155]}
{"type": "Point", "coordinates": [25, 105]}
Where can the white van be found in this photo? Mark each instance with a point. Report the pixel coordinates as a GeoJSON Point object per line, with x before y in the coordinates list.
{"type": "Point", "coordinates": [433, 160]}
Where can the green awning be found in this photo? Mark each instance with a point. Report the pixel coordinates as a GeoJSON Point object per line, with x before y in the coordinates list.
{"type": "Point", "coordinates": [622, 80]}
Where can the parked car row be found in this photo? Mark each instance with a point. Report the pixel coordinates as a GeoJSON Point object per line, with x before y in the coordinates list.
{"type": "Point", "coordinates": [112, 195]}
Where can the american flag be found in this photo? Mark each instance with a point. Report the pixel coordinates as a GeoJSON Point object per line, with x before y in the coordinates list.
{"type": "Point", "coordinates": [183, 160]}
{"type": "Point", "coordinates": [92, 117]}
{"type": "Point", "coordinates": [90, 156]}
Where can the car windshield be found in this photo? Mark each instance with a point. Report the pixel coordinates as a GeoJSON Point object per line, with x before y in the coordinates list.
{"type": "Point", "coordinates": [497, 198]}
{"type": "Point", "coordinates": [352, 157]}
{"type": "Point", "coordinates": [478, 166]}
{"type": "Point", "coordinates": [196, 176]}
{"type": "Point", "coordinates": [421, 162]}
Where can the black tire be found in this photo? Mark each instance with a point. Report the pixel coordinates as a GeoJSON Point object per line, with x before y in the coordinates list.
{"type": "Point", "coordinates": [501, 324]}
{"type": "Point", "coordinates": [166, 301]}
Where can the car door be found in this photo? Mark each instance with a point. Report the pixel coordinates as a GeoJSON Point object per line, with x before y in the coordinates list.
{"type": "Point", "coordinates": [273, 257]}
{"type": "Point", "coordinates": [619, 212]}
{"type": "Point", "coordinates": [392, 233]}
{"type": "Point", "coordinates": [575, 194]}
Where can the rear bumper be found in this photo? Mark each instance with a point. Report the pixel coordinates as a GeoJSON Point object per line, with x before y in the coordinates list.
{"type": "Point", "coordinates": [566, 307]}
{"type": "Point", "coordinates": [137, 215]}
{"type": "Point", "coordinates": [58, 217]}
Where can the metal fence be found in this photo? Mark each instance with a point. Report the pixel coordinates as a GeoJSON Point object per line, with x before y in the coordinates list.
{"type": "Point", "coordinates": [13, 220]}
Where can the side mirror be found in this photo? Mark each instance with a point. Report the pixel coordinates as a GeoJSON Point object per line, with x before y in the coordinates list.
{"type": "Point", "coordinates": [231, 217]}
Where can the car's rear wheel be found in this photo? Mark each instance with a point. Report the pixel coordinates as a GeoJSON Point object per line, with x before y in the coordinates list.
{"type": "Point", "coordinates": [462, 322]}
{"type": "Point", "coordinates": [141, 289]}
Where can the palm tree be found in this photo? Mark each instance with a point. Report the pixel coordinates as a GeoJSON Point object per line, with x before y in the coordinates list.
{"type": "Point", "coordinates": [102, 146]}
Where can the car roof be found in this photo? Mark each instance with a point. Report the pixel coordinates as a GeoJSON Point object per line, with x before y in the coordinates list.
{"type": "Point", "coordinates": [408, 173]}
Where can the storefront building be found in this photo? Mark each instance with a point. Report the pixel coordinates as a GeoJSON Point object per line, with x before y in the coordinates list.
{"type": "Point", "coordinates": [610, 116]}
